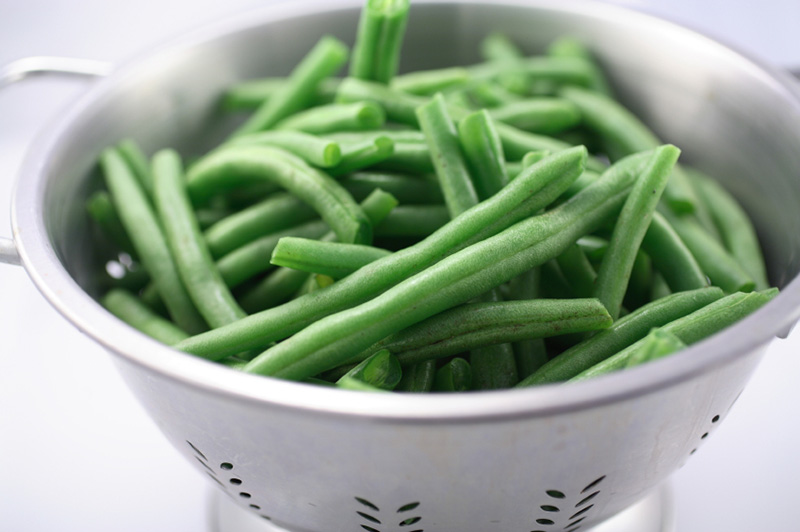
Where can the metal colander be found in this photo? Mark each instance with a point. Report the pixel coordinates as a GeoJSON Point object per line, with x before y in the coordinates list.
{"type": "Point", "coordinates": [556, 458]}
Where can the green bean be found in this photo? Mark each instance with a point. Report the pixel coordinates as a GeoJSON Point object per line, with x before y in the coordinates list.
{"type": "Point", "coordinates": [418, 378]}
{"type": "Point", "coordinates": [659, 287]}
{"type": "Point", "coordinates": [671, 257]}
{"type": "Point", "coordinates": [376, 54]}
{"type": "Point", "coordinates": [192, 258]}
{"type": "Point", "coordinates": [241, 164]}
{"type": "Point", "coordinates": [517, 143]}
{"type": "Point", "coordinates": [413, 221]}
{"type": "Point", "coordinates": [279, 211]}
{"type": "Point", "coordinates": [578, 271]}
{"type": "Point", "coordinates": [494, 365]}
{"type": "Point", "coordinates": [554, 283]}
{"type": "Point", "coordinates": [586, 179]}
{"type": "Point", "coordinates": [314, 150]}
{"type": "Point", "coordinates": [132, 311]}
{"type": "Point", "coordinates": [333, 259]}
{"type": "Point", "coordinates": [280, 322]}
{"type": "Point", "coordinates": [491, 94]}
{"type": "Point", "coordinates": [101, 209]}
{"type": "Point", "coordinates": [357, 116]}
{"type": "Point", "coordinates": [453, 280]}
{"type": "Point", "coordinates": [399, 106]}
{"type": "Point", "coordinates": [253, 258]}
{"type": "Point", "coordinates": [363, 155]}
{"type": "Point", "coordinates": [381, 370]}
{"type": "Point", "coordinates": [208, 216]}
{"type": "Point", "coordinates": [407, 189]}
{"type": "Point", "coordinates": [533, 157]}
{"type": "Point", "coordinates": [397, 135]}
{"type": "Point", "coordinates": [641, 281]}
{"type": "Point", "coordinates": [571, 47]}
{"type": "Point", "coordinates": [734, 226]}
{"type": "Point", "coordinates": [301, 87]}
{"type": "Point", "coordinates": [691, 328]}
{"type": "Point", "coordinates": [284, 282]}
{"type": "Point", "coordinates": [539, 115]}
{"type": "Point", "coordinates": [429, 82]}
{"type": "Point", "coordinates": [497, 47]}
{"type": "Point", "coordinates": [722, 269]}
{"type": "Point", "coordinates": [625, 134]}
{"type": "Point", "coordinates": [137, 162]}
{"type": "Point", "coordinates": [513, 169]}
{"type": "Point", "coordinates": [490, 323]}
{"type": "Point", "coordinates": [442, 138]}
{"type": "Point", "coordinates": [630, 228]}
{"type": "Point", "coordinates": [247, 95]}
{"type": "Point", "coordinates": [483, 153]}
{"type": "Point", "coordinates": [659, 343]}
{"type": "Point", "coordinates": [559, 70]}
{"type": "Point", "coordinates": [408, 157]}
{"type": "Point", "coordinates": [531, 353]}
{"type": "Point", "coordinates": [455, 376]}
{"type": "Point", "coordinates": [624, 332]}
{"type": "Point", "coordinates": [145, 232]}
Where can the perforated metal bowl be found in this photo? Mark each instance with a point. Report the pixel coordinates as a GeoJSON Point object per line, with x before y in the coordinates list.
{"type": "Point", "coordinates": [316, 460]}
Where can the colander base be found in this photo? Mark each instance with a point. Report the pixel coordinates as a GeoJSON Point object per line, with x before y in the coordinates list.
{"type": "Point", "coordinates": [655, 513]}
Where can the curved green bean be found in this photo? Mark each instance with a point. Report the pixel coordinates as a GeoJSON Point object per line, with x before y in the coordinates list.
{"type": "Point", "coordinates": [483, 152]}
{"type": "Point", "coordinates": [335, 117]}
{"type": "Point", "coordinates": [251, 94]}
{"type": "Point", "coordinates": [363, 155]}
{"type": "Point", "coordinates": [194, 262]}
{"type": "Point", "coordinates": [381, 370]}
{"type": "Point", "coordinates": [539, 115]}
{"type": "Point", "coordinates": [234, 165]}
{"type": "Point", "coordinates": [659, 343]}
{"type": "Point", "coordinates": [137, 162]}
{"type": "Point", "coordinates": [624, 332]}
{"type": "Point", "coordinates": [320, 152]}
{"type": "Point", "coordinates": [420, 190]}
{"type": "Point", "coordinates": [333, 259]}
{"type": "Point", "coordinates": [671, 257]}
{"type": "Point", "coordinates": [429, 82]}
{"type": "Point", "coordinates": [455, 376]}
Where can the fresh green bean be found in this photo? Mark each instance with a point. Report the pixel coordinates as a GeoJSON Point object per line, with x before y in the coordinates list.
{"type": "Point", "coordinates": [397, 135]}
{"type": "Point", "coordinates": [539, 115]}
{"type": "Point", "coordinates": [429, 82]}
{"type": "Point", "coordinates": [491, 94]}
{"type": "Point", "coordinates": [658, 344]}
{"type": "Point", "coordinates": [625, 134]}
{"type": "Point", "coordinates": [481, 324]}
{"type": "Point", "coordinates": [418, 378]}
{"type": "Point", "coordinates": [208, 216]}
{"type": "Point", "coordinates": [558, 70]}
{"type": "Point", "coordinates": [455, 376]}
{"type": "Point", "coordinates": [376, 54]}
{"type": "Point", "coordinates": [442, 138]}
{"type": "Point", "coordinates": [314, 150]}
{"type": "Point", "coordinates": [568, 46]}
{"type": "Point", "coordinates": [132, 311]}
{"type": "Point", "coordinates": [624, 332]}
{"type": "Point", "coordinates": [137, 162]}
{"type": "Point", "coordinates": [659, 287]}
{"type": "Point", "coordinates": [554, 283]}
{"type": "Point", "coordinates": [533, 157]}
{"type": "Point", "coordinates": [363, 155]}
{"type": "Point", "coordinates": [381, 370]}
{"type": "Point", "coordinates": [483, 152]}
{"type": "Point", "coordinates": [253, 93]}
{"type": "Point", "coordinates": [497, 47]}
{"type": "Point", "coordinates": [408, 157]}
{"type": "Point", "coordinates": [334, 117]}
{"type": "Point", "coordinates": [194, 262]}
{"type": "Point", "coordinates": [301, 87]}
{"type": "Point", "coordinates": [282, 283]}
{"type": "Point", "coordinates": [280, 322]}
{"type": "Point", "coordinates": [419, 190]}
{"type": "Point", "coordinates": [145, 232]}
{"type": "Point", "coordinates": [734, 226]}
{"type": "Point", "coordinates": [229, 166]}
{"type": "Point", "coordinates": [691, 328]}
{"type": "Point", "coordinates": [101, 209]}
{"type": "Point", "coordinates": [722, 269]}
{"type": "Point", "coordinates": [630, 228]}
{"type": "Point", "coordinates": [333, 259]}
{"type": "Point", "coordinates": [494, 365]}
{"type": "Point", "coordinates": [513, 169]}
{"type": "Point", "coordinates": [279, 211]}
{"type": "Point", "coordinates": [399, 106]}
{"type": "Point", "coordinates": [517, 143]}
{"type": "Point", "coordinates": [413, 221]}
{"type": "Point", "coordinates": [253, 258]}
{"type": "Point", "coordinates": [578, 271]}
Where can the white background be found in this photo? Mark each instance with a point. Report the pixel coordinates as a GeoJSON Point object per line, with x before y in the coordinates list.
{"type": "Point", "coordinates": [78, 453]}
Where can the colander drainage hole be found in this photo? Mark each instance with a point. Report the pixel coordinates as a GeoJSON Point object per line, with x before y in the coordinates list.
{"type": "Point", "coordinates": [373, 520]}
{"type": "Point", "coordinates": [227, 466]}
{"type": "Point", "coordinates": [554, 509]}
{"type": "Point", "coordinates": [235, 481]}
{"type": "Point", "coordinates": [197, 451]}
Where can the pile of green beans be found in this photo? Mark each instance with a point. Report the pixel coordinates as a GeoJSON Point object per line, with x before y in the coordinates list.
{"type": "Point", "coordinates": [429, 231]}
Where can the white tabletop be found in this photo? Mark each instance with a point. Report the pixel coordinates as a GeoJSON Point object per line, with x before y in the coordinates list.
{"type": "Point", "coordinates": [78, 453]}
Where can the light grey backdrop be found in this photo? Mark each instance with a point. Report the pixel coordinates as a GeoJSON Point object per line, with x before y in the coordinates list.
{"type": "Point", "coordinates": [78, 454]}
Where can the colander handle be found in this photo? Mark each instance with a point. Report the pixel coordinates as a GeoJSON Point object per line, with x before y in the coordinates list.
{"type": "Point", "coordinates": [44, 66]}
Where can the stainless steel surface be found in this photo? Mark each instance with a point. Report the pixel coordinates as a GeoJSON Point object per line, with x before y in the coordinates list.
{"type": "Point", "coordinates": [46, 65]}
{"type": "Point", "coordinates": [650, 419]}
{"type": "Point", "coordinates": [654, 513]}
{"type": "Point", "coordinates": [8, 252]}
